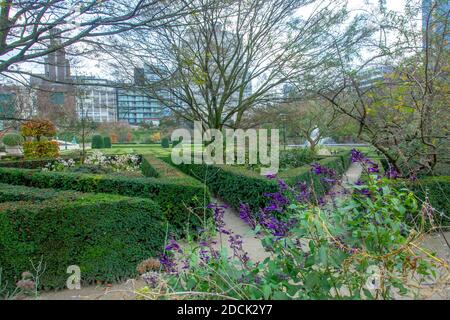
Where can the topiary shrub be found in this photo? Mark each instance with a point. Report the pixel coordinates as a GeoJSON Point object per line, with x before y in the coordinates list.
{"type": "Point", "coordinates": [165, 142]}
{"type": "Point", "coordinates": [97, 142]}
{"type": "Point", "coordinates": [107, 142]}
{"type": "Point", "coordinates": [40, 149]}
{"type": "Point", "coordinates": [105, 235]}
{"type": "Point", "coordinates": [12, 139]}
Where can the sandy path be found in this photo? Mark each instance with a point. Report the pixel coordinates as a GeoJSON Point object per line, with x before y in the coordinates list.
{"type": "Point", "coordinates": [251, 244]}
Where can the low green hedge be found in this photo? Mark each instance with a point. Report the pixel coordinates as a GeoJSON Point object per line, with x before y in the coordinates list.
{"type": "Point", "coordinates": [173, 196]}
{"type": "Point", "coordinates": [105, 235]}
{"type": "Point", "coordinates": [147, 168]}
{"type": "Point", "coordinates": [236, 185]}
{"type": "Point", "coordinates": [10, 193]}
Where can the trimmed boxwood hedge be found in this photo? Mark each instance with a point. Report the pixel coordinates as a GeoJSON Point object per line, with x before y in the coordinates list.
{"type": "Point", "coordinates": [174, 196]}
{"type": "Point", "coordinates": [105, 235]}
{"type": "Point", "coordinates": [147, 168]}
{"type": "Point", "coordinates": [97, 142]}
{"type": "Point", "coordinates": [236, 185]}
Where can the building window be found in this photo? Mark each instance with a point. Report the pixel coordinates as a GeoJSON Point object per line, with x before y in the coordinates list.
{"type": "Point", "coordinates": [57, 97]}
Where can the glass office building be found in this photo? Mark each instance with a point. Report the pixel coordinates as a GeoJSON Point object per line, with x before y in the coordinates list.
{"type": "Point", "coordinates": [96, 101]}
{"type": "Point", "coordinates": [135, 107]}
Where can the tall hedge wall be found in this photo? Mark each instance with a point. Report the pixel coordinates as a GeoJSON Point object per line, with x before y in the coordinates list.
{"type": "Point", "coordinates": [105, 235]}
{"type": "Point", "coordinates": [174, 197]}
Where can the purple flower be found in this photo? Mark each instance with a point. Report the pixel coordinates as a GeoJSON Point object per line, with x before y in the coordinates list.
{"type": "Point", "coordinates": [271, 176]}
{"type": "Point", "coordinates": [168, 264]}
{"type": "Point", "coordinates": [320, 170]}
{"type": "Point", "coordinates": [235, 242]}
{"type": "Point", "coordinates": [373, 168]}
{"type": "Point", "coordinates": [357, 156]}
{"type": "Point", "coordinates": [321, 201]}
{"type": "Point", "coordinates": [204, 256]}
{"type": "Point", "coordinates": [303, 193]}
{"type": "Point", "coordinates": [316, 168]}
{"type": "Point", "coordinates": [392, 173]}
{"type": "Point", "coordinates": [283, 185]}
{"type": "Point", "coordinates": [245, 214]}
{"type": "Point", "coordinates": [173, 246]}
{"type": "Point", "coordinates": [329, 181]}
{"type": "Point", "coordinates": [276, 227]}
{"type": "Point", "coordinates": [219, 212]}
{"type": "Point", "coordinates": [151, 278]}
{"type": "Point", "coordinates": [277, 203]}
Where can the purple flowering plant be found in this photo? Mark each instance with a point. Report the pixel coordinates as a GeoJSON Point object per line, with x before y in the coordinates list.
{"type": "Point", "coordinates": [316, 252]}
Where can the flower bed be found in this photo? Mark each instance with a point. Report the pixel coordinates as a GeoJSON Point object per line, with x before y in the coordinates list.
{"type": "Point", "coordinates": [105, 235]}
{"type": "Point", "coordinates": [34, 164]}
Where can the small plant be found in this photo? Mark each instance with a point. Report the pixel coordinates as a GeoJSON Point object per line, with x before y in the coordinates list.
{"type": "Point", "coordinates": [97, 142]}
{"type": "Point", "coordinates": [12, 139]}
{"type": "Point", "coordinates": [165, 142]}
{"type": "Point", "coordinates": [40, 149]}
{"type": "Point", "coordinates": [155, 137]}
{"type": "Point", "coordinates": [37, 147]}
{"type": "Point", "coordinates": [107, 142]}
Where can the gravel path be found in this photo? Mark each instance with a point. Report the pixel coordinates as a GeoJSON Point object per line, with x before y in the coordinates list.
{"type": "Point", "coordinates": [251, 244]}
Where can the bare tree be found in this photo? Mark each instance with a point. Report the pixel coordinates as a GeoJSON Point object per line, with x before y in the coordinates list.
{"type": "Point", "coordinates": [398, 94]}
{"type": "Point", "coordinates": [214, 65]}
{"type": "Point", "coordinates": [15, 106]}
{"type": "Point", "coordinates": [27, 26]}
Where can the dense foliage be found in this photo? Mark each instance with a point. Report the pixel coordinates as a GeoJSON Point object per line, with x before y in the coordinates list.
{"type": "Point", "coordinates": [34, 164]}
{"type": "Point", "coordinates": [105, 235]}
{"type": "Point", "coordinates": [165, 142]}
{"type": "Point", "coordinates": [38, 128]}
{"type": "Point", "coordinates": [434, 191]}
{"type": "Point", "coordinates": [40, 149]}
{"type": "Point", "coordinates": [12, 139]}
{"type": "Point", "coordinates": [175, 197]}
{"type": "Point", "coordinates": [107, 142]}
{"type": "Point", "coordinates": [97, 142]}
